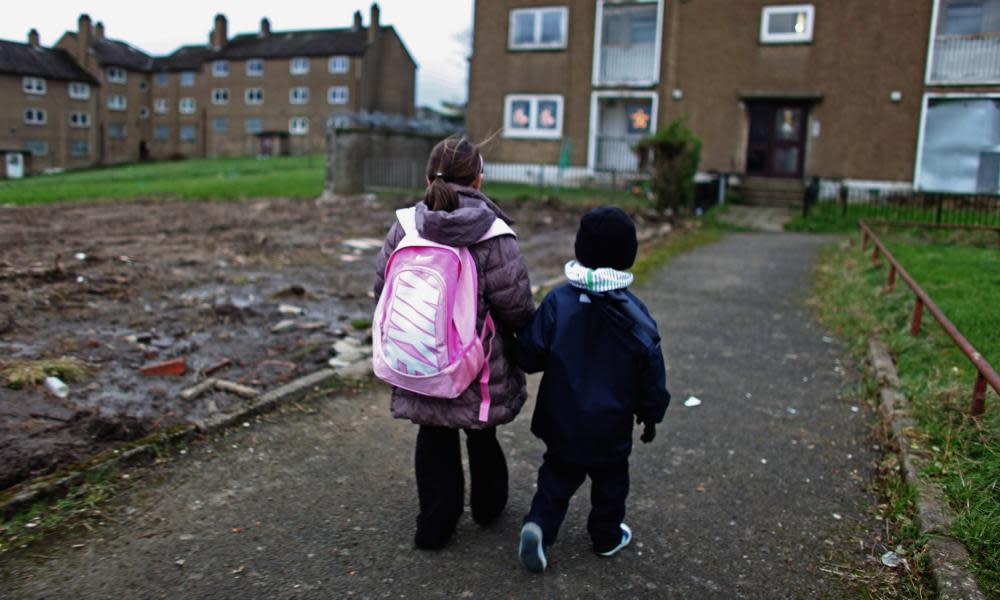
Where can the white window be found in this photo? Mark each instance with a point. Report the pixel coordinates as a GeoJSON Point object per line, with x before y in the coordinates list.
{"type": "Point", "coordinates": [220, 96]}
{"type": "Point", "coordinates": [337, 94]}
{"type": "Point", "coordinates": [298, 125]}
{"type": "Point", "coordinates": [116, 75]}
{"type": "Point", "coordinates": [36, 116]}
{"type": "Point", "coordinates": [187, 78]}
{"type": "Point", "coordinates": [338, 64]}
{"type": "Point", "coordinates": [33, 85]}
{"type": "Point", "coordinates": [254, 125]}
{"type": "Point", "coordinates": [79, 119]}
{"type": "Point", "coordinates": [187, 133]}
{"type": "Point", "coordinates": [299, 66]}
{"type": "Point", "coordinates": [116, 131]}
{"type": "Point", "coordinates": [535, 28]}
{"type": "Point", "coordinates": [161, 79]}
{"type": "Point", "coordinates": [533, 116]}
{"type": "Point", "coordinates": [79, 91]}
{"type": "Point", "coordinates": [37, 147]}
{"type": "Point", "coordinates": [161, 132]}
{"type": "Point", "coordinates": [187, 106]}
{"type": "Point", "coordinates": [117, 102]}
{"type": "Point", "coordinates": [161, 106]}
{"type": "Point", "coordinates": [298, 95]}
{"type": "Point", "coordinates": [255, 67]}
{"type": "Point", "coordinates": [787, 24]}
{"type": "Point", "coordinates": [220, 68]}
{"type": "Point", "coordinates": [143, 112]}
{"type": "Point", "coordinates": [79, 148]}
{"type": "Point", "coordinates": [254, 96]}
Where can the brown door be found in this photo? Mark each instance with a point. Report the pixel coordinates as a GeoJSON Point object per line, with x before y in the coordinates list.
{"type": "Point", "coordinates": [777, 139]}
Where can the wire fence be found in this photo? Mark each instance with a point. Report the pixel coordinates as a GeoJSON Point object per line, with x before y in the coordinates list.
{"type": "Point", "coordinates": [853, 203]}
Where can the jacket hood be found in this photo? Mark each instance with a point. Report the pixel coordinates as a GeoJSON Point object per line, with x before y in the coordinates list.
{"type": "Point", "coordinates": [463, 226]}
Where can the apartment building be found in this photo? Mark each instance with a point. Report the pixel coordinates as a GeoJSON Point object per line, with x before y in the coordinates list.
{"type": "Point", "coordinates": [884, 94]}
{"type": "Point", "coordinates": [264, 92]}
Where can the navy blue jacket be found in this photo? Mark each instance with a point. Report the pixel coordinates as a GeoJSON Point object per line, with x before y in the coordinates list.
{"type": "Point", "coordinates": [603, 366]}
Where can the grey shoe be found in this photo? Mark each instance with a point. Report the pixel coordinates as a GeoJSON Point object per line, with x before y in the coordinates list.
{"type": "Point", "coordinates": [531, 551]}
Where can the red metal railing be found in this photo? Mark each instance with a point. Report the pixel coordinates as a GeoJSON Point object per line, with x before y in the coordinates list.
{"type": "Point", "coordinates": [985, 372]}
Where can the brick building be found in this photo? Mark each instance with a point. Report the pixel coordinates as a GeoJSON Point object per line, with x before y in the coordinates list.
{"type": "Point", "coordinates": [261, 92]}
{"type": "Point", "coordinates": [896, 93]}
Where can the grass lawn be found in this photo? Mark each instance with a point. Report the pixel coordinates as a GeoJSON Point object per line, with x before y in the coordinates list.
{"type": "Point", "coordinates": [826, 217]}
{"type": "Point", "coordinates": [964, 280]}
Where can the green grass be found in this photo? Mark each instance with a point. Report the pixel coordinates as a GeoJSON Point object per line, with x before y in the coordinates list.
{"type": "Point", "coordinates": [827, 217]}
{"type": "Point", "coordinates": [208, 179]}
{"type": "Point", "coordinates": [936, 377]}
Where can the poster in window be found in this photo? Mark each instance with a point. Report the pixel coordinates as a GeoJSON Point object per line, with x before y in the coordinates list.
{"type": "Point", "coordinates": [548, 114]}
{"type": "Point", "coordinates": [520, 114]}
{"type": "Point", "coordinates": [639, 117]}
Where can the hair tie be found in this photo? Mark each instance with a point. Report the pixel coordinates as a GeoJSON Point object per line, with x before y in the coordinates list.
{"type": "Point", "coordinates": [439, 174]}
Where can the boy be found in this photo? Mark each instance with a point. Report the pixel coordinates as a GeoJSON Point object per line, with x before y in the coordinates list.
{"type": "Point", "coordinates": [600, 351]}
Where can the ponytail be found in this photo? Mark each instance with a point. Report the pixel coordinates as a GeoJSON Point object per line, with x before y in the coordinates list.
{"type": "Point", "coordinates": [440, 196]}
{"type": "Point", "coordinates": [453, 160]}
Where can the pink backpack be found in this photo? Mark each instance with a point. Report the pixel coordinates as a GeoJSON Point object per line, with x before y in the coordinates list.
{"type": "Point", "coordinates": [424, 336]}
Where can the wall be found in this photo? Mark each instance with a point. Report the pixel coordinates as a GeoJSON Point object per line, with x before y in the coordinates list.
{"type": "Point", "coordinates": [349, 149]}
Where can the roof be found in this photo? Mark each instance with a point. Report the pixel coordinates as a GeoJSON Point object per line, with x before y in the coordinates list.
{"type": "Point", "coordinates": [287, 44]}
{"type": "Point", "coordinates": [49, 63]}
{"type": "Point", "coordinates": [185, 58]}
{"type": "Point", "coordinates": [117, 53]}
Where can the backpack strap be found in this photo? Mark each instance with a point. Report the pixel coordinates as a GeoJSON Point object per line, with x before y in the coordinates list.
{"type": "Point", "coordinates": [407, 217]}
{"type": "Point", "coordinates": [497, 229]}
{"type": "Point", "coordinates": [484, 379]}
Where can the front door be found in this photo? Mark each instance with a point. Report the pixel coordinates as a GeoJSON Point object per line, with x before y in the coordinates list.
{"type": "Point", "coordinates": [621, 123]}
{"type": "Point", "coordinates": [777, 139]}
{"type": "Point", "coordinates": [15, 165]}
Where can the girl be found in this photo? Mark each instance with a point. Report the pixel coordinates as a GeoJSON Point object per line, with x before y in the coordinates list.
{"type": "Point", "coordinates": [455, 212]}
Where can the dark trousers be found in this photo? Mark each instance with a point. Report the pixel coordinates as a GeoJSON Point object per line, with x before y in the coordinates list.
{"type": "Point", "coordinates": [558, 480]}
{"type": "Point", "coordinates": [441, 482]}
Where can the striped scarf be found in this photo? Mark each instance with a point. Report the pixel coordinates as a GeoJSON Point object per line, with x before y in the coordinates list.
{"type": "Point", "coordinates": [597, 280]}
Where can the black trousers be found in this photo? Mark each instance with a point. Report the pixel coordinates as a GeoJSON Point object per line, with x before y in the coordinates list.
{"type": "Point", "coordinates": [441, 482]}
{"type": "Point", "coordinates": [558, 480]}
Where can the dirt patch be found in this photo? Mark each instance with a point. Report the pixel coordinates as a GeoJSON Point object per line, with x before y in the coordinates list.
{"type": "Point", "coordinates": [257, 292]}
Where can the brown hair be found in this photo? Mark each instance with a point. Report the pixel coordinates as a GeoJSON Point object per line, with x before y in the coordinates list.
{"type": "Point", "coordinates": [453, 160]}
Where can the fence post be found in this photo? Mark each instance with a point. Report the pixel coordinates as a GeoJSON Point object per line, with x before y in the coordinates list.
{"type": "Point", "coordinates": [875, 255]}
{"type": "Point", "coordinates": [843, 200]}
{"type": "Point", "coordinates": [864, 240]}
{"type": "Point", "coordinates": [978, 406]}
{"type": "Point", "coordinates": [940, 208]}
{"type": "Point", "coordinates": [918, 313]}
{"type": "Point", "coordinates": [892, 277]}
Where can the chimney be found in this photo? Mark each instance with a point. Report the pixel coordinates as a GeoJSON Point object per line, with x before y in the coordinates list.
{"type": "Point", "coordinates": [265, 27]}
{"type": "Point", "coordinates": [357, 20]}
{"type": "Point", "coordinates": [373, 27]}
{"type": "Point", "coordinates": [99, 31]}
{"type": "Point", "coordinates": [219, 36]}
{"type": "Point", "coordinates": [83, 34]}
{"type": "Point", "coordinates": [33, 39]}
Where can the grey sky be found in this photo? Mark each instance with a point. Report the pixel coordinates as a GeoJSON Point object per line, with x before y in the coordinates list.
{"type": "Point", "coordinates": [432, 31]}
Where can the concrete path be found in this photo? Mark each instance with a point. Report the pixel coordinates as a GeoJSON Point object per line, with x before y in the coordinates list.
{"type": "Point", "coordinates": [757, 218]}
{"type": "Point", "coordinates": [755, 493]}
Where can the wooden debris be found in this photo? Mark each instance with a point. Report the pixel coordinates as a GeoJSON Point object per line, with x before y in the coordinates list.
{"type": "Point", "coordinates": [235, 388]}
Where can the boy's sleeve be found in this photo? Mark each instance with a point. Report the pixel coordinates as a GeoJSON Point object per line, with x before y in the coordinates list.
{"type": "Point", "coordinates": [653, 394]}
{"type": "Point", "coordinates": [531, 351]}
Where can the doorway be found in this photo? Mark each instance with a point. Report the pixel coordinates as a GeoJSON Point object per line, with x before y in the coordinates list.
{"type": "Point", "coordinates": [14, 165]}
{"type": "Point", "coordinates": [776, 146]}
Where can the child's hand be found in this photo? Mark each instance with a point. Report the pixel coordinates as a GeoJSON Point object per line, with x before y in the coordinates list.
{"type": "Point", "coordinates": [648, 433]}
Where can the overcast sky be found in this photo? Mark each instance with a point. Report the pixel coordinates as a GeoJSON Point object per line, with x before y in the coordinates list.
{"type": "Point", "coordinates": [432, 31]}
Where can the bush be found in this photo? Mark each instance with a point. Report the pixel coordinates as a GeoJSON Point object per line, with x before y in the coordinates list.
{"type": "Point", "coordinates": [671, 155]}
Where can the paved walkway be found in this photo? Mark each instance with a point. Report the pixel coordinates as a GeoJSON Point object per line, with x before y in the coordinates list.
{"type": "Point", "coordinates": [751, 494]}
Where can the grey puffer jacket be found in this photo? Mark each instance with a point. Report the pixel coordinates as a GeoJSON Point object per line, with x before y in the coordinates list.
{"type": "Point", "coordinates": [504, 291]}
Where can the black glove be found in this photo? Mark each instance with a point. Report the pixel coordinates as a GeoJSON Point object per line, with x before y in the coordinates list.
{"type": "Point", "coordinates": [648, 433]}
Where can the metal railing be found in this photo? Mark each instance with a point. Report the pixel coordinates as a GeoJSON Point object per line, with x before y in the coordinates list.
{"type": "Point", "coordinates": [615, 153]}
{"type": "Point", "coordinates": [627, 64]}
{"type": "Point", "coordinates": [971, 58]}
{"type": "Point", "coordinates": [910, 206]}
{"type": "Point", "coordinates": [984, 371]}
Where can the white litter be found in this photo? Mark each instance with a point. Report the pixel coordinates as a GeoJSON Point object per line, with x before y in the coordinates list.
{"type": "Point", "coordinates": [691, 402]}
{"type": "Point", "coordinates": [837, 516]}
{"type": "Point", "coordinates": [792, 411]}
{"type": "Point", "coordinates": [80, 256]}
{"type": "Point", "coordinates": [828, 340]}
{"type": "Point", "coordinates": [855, 409]}
{"type": "Point", "coordinates": [288, 309]}
{"type": "Point", "coordinates": [891, 559]}
{"type": "Point", "coordinates": [363, 244]}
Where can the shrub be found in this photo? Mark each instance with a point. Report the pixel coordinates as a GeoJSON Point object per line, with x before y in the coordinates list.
{"type": "Point", "coordinates": [671, 155]}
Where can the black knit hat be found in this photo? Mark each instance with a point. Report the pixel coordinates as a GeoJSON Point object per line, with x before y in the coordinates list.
{"type": "Point", "coordinates": [606, 238]}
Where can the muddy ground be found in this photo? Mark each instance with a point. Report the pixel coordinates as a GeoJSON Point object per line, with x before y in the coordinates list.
{"type": "Point", "coordinates": [124, 285]}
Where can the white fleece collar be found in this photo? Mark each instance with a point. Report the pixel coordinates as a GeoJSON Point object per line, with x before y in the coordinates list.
{"type": "Point", "coordinates": [597, 280]}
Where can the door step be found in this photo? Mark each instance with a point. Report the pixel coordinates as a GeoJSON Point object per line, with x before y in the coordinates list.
{"type": "Point", "coordinates": [765, 191]}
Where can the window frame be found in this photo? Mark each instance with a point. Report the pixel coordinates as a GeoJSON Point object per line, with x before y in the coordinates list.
{"type": "Point", "coordinates": [533, 132]}
{"type": "Point", "coordinates": [537, 44]}
{"type": "Point", "coordinates": [298, 131]}
{"type": "Point", "coordinates": [298, 59]}
{"type": "Point", "coordinates": [117, 106]}
{"type": "Point", "coordinates": [161, 79]}
{"type": "Point", "coordinates": [38, 116]}
{"type": "Point", "coordinates": [255, 61]}
{"type": "Point", "coordinates": [43, 143]}
{"type": "Point", "coordinates": [82, 90]}
{"type": "Point", "coordinates": [82, 119]}
{"type": "Point", "coordinates": [215, 125]}
{"type": "Point", "coordinates": [124, 130]}
{"type": "Point", "coordinates": [330, 95]}
{"type": "Point", "coordinates": [35, 86]}
{"type": "Point", "coordinates": [258, 120]}
{"type": "Point", "coordinates": [217, 96]}
{"type": "Point", "coordinates": [116, 75]}
{"type": "Point", "coordinates": [161, 106]}
{"type": "Point", "coordinates": [340, 58]}
{"type": "Point", "coordinates": [73, 148]}
{"type": "Point", "coordinates": [246, 96]}
{"type": "Point", "coordinates": [220, 68]}
{"type": "Point", "coordinates": [302, 100]}
{"type": "Point", "coordinates": [194, 134]}
{"type": "Point", "coordinates": [190, 102]}
{"type": "Point", "coordinates": [806, 37]}
{"type": "Point", "coordinates": [158, 129]}
{"type": "Point", "coordinates": [188, 78]}
{"type": "Point", "coordinates": [144, 112]}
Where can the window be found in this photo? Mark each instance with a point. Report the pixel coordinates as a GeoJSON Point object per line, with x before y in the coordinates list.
{"type": "Point", "coordinates": [79, 119]}
{"type": "Point", "coordinates": [161, 79]}
{"type": "Point", "coordinates": [220, 68]}
{"type": "Point", "coordinates": [298, 95]}
{"type": "Point", "coordinates": [962, 17]}
{"type": "Point", "coordinates": [161, 132]}
{"type": "Point", "coordinates": [533, 116]}
{"type": "Point", "coordinates": [787, 24]}
{"type": "Point", "coordinates": [37, 147]}
{"type": "Point", "coordinates": [254, 125]}
{"type": "Point", "coordinates": [160, 106]}
{"type": "Point", "coordinates": [187, 133]}
{"type": "Point", "coordinates": [255, 67]}
{"type": "Point", "coordinates": [117, 102]}
{"type": "Point", "coordinates": [143, 86]}
{"type": "Point", "coordinates": [220, 96]}
{"type": "Point", "coordinates": [958, 151]}
{"type": "Point", "coordinates": [36, 116]}
{"type": "Point", "coordinates": [79, 91]}
{"type": "Point", "coordinates": [116, 131]}
{"type": "Point", "coordinates": [79, 148]}
{"type": "Point", "coordinates": [187, 106]}
{"type": "Point", "coordinates": [298, 126]}
{"type": "Point", "coordinates": [538, 28]}
{"type": "Point", "coordinates": [143, 112]}
{"type": "Point", "coordinates": [337, 94]}
{"type": "Point", "coordinates": [255, 96]}
{"type": "Point", "coordinates": [338, 64]}
{"type": "Point", "coordinates": [116, 75]}
{"type": "Point", "coordinates": [33, 85]}
{"type": "Point", "coordinates": [299, 66]}
{"type": "Point", "coordinates": [220, 124]}
{"type": "Point", "coordinates": [187, 78]}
